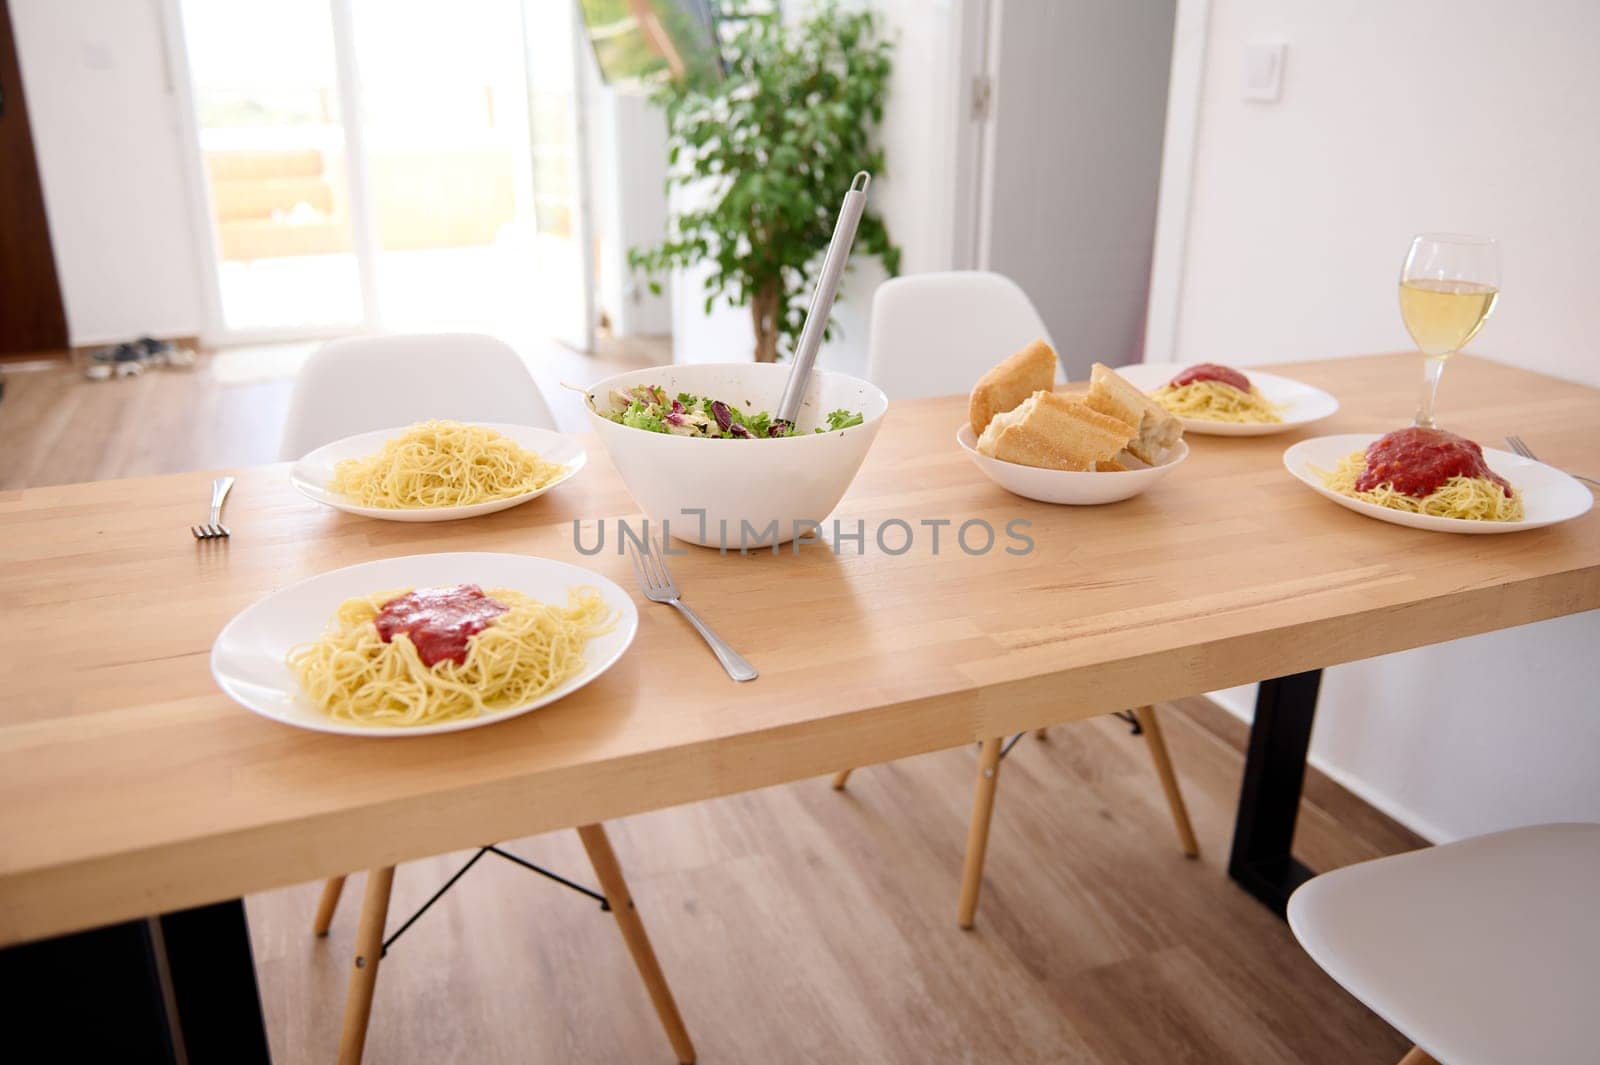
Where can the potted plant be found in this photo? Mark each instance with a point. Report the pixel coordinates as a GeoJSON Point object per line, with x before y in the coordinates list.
{"type": "Point", "coordinates": [767, 153]}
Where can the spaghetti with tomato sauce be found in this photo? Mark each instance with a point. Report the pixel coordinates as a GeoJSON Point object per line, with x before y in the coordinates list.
{"type": "Point", "coordinates": [1211, 392]}
{"type": "Point", "coordinates": [423, 656]}
{"type": "Point", "coordinates": [1426, 471]}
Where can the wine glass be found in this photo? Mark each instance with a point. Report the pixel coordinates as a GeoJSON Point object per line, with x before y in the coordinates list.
{"type": "Point", "coordinates": [1448, 286]}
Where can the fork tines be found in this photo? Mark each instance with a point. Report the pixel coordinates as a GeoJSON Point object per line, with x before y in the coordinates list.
{"type": "Point", "coordinates": [651, 569]}
{"type": "Point", "coordinates": [209, 532]}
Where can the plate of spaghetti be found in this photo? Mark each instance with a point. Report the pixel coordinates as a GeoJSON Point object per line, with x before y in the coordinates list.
{"type": "Point", "coordinates": [1436, 480]}
{"type": "Point", "coordinates": [438, 470]}
{"type": "Point", "coordinates": [423, 644]}
{"type": "Point", "coordinates": [1221, 401]}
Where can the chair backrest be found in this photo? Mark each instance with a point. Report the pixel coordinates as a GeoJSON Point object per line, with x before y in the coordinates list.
{"type": "Point", "coordinates": [358, 384]}
{"type": "Point", "coordinates": [936, 334]}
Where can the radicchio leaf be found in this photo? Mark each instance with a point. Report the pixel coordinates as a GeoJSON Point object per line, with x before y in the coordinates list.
{"type": "Point", "coordinates": [719, 411]}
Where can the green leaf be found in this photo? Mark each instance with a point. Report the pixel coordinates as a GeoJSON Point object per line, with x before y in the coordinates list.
{"type": "Point", "coordinates": [638, 416]}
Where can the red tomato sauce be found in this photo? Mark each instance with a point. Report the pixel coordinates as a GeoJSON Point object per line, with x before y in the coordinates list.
{"type": "Point", "coordinates": [439, 620]}
{"type": "Point", "coordinates": [1210, 371]}
{"type": "Point", "coordinates": [1418, 461]}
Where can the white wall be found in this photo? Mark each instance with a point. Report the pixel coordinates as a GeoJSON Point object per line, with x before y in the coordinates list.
{"type": "Point", "coordinates": [1468, 115]}
{"type": "Point", "coordinates": [106, 135]}
{"type": "Point", "coordinates": [915, 195]}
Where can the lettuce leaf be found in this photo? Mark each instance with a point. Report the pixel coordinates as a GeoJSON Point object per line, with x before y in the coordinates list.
{"type": "Point", "coordinates": [842, 419]}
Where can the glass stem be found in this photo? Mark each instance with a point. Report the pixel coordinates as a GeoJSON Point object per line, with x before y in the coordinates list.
{"type": "Point", "coordinates": [1433, 366]}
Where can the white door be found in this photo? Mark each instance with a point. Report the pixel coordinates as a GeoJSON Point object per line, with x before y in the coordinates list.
{"type": "Point", "coordinates": [1071, 164]}
{"type": "Point", "coordinates": [267, 97]}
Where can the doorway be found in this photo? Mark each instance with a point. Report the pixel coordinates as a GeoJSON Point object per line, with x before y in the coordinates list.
{"type": "Point", "coordinates": [388, 165]}
{"type": "Point", "coordinates": [32, 317]}
{"type": "Point", "coordinates": [1070, 104]}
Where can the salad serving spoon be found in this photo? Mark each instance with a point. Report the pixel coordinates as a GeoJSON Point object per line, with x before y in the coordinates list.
{"type": "Point", "coordinates": [822, 297]}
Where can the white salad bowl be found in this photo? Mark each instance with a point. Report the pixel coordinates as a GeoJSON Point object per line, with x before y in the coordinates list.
{"type": "Point", "coordinates": [1072, 487]}
{"type": "Point", "coordinates": [731, 492]}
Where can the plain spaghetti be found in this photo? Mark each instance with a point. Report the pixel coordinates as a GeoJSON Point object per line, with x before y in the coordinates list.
{"type": "Point", "coordinates": [421, 657]}
{"type": "Point", "coordinates": [443, 464]}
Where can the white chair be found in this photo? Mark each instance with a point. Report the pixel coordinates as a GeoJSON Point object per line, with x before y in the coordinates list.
{"type": "Point", "coordinates": [365, 383]}
{"type": "Point", "coordinates": [936, 334]}
{"type": "Point", "coordinates": [358, 384]}
{"type": "Point", "coordinates": [1481, 952]}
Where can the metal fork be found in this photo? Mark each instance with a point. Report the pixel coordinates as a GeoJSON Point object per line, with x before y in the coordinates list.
{"type": "Point", "coordinates": [659, 587]}
{"type": "Point", "coordinates": [1515, 444]}
{"type": "Point", "coordinates": [214, 529]}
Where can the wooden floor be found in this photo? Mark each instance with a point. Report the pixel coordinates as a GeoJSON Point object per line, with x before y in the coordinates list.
{"type": "Point", "coordinates": [796, 924]}
{"type": "Point", "coordinates": [56, 427]}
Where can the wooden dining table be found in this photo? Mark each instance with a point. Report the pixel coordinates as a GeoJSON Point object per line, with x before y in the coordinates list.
{"type": "Point", "coordinates": [138, 804]}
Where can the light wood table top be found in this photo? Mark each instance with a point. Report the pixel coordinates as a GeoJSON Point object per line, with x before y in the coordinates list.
{"type": "Point", "coordinates": [130, 785]}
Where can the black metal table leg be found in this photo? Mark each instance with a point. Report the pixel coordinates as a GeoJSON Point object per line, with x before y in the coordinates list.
{"type": "Point", "coordinates": [164, 991]}
{"type": "Point", "coordinates": [213, 976]}
{"type": "Point", "coordinates": [93, 996]}
{"type": "Point", "coordinates": [1269, 801]}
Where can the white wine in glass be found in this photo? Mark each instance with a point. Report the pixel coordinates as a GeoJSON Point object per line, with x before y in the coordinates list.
{"type": "Point", "coordinates": [1448, 288]}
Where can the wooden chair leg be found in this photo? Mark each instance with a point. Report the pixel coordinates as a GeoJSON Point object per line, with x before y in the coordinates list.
{"type": "Point", "coordinates": [978, 830]}
{"type": "Point", "coordinates": [839, 778]}
{"type": "Point", "coordinates": [364, 972]}
{"type": "Point", "coordinates": [609, 872]}
{"type": "Point", "coordinates": [1417, 1056]}
{"type": "Point", "coordinates": [331, 890]}
{"type": "Point", "coordinates": [1146, 716]}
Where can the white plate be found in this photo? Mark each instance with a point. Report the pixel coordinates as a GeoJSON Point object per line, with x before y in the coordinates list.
{"type": "Point", "coordinates": [1302, 403]}
{"type": "Point", "coordinates": [1073, 487]}
{"type": "Point", "coordinates": [247, 660]}
{"type": "Point", "coordinates": [1548, 495]}
{"type": "Point", "coordinates": [311, 474]}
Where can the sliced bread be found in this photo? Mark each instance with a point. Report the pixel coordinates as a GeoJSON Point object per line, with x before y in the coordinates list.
{"type": "Point", "coordinates": [1155, 429]}
{"type": "Point", "coordinates": [1003, 388]}
{"type": "Point", "coordinates": [1054, 432]}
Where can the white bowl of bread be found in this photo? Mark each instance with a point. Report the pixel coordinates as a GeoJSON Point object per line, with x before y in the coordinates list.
{"type": "Point", "coordinates": [1107, 444]}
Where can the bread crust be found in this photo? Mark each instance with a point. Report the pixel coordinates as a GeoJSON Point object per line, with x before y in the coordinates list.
{"type": "Point", "coordinates": [1055, 432]}
{"type": "Point", "coordinates": [1004, 388]}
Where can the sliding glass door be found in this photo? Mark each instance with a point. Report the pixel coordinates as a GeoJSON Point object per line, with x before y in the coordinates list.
{"type": "Point", "coordinates": [275, 165]}
{"type": "Point", "coordinates": [396, 164]}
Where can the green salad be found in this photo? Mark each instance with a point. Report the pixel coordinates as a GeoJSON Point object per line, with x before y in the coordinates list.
{"type": "Point", "coordinates": [649, 407]}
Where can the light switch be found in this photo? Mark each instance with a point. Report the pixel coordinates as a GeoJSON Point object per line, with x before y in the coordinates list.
{"type": "Point", "coordinates": [1263, 71]}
